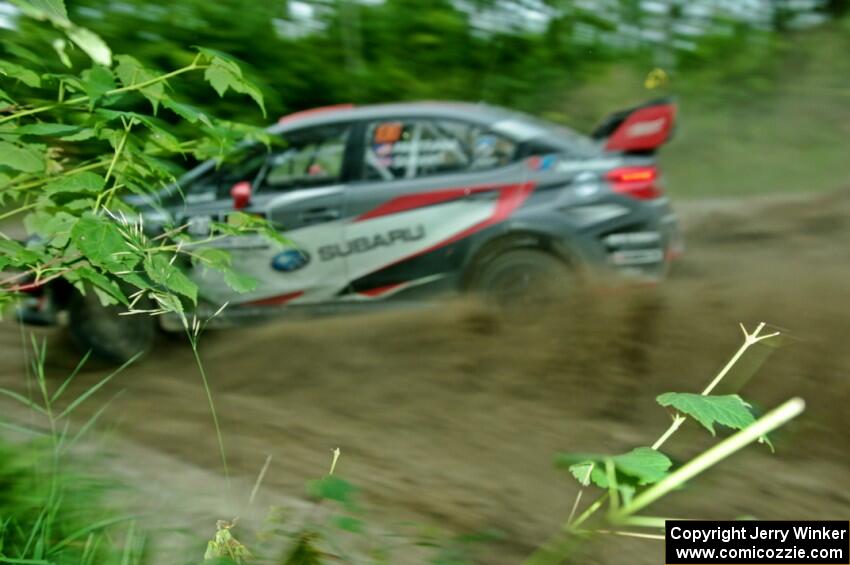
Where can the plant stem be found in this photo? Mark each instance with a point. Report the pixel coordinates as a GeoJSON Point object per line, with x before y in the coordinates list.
{"type": "Point", "coordinates": [83, 99]}
{"type": "Point", "coordinates": [583, 517]}
{"type": "Point", "coordinates": [259, 480]}
{"type": "Point", "coordinates": [87, 167]}
{"type": "Point", "coordinates": [14, 211]}
{"type": "Point", "coordinates": [749, 339]}
{"type": "Point", "coordinates": [118, 150]}
{"type": "Point", "coordinates": [677, 423]}
{"type": "Point", "coordinates": [194, 342]}
{"type": "Point", "coordinates": [628, 534]}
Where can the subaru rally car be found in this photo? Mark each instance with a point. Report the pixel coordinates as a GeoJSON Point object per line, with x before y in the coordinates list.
{"type": "Point", "coordinates": [394, 203]}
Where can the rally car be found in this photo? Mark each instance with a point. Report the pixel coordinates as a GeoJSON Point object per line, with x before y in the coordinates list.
{"type": "Point", "coordinates": [394, 203]}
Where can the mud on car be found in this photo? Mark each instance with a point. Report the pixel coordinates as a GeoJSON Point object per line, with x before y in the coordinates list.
{"type": "Point", "coordinates": [394, 203]}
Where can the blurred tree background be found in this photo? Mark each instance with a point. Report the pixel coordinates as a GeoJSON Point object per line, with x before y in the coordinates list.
{"type": "Point", "coordinates": [758, 81]}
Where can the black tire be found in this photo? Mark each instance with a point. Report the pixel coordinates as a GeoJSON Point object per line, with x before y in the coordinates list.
{"type": "Point", "coordinates": [521, 277]}
{"type": "Point", "coordinates": [100, 329]}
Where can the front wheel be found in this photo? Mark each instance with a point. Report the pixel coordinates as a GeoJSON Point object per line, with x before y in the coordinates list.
{"type": "Point", "coordinates": [109, 336]}
{"type": "Point", "coordinates": [521, 277]}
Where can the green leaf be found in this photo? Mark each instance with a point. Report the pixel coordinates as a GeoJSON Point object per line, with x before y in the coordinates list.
{"type": "Point", "coordinates": [55, 12]}
{"type": "Point", "coordinates": [159, 136]}
{"type": "Point", "coordinates": [136, 280]}
{"type": "Point", "coordinates": [240, 223]}
{"type": "Point", "coordinates": [729, 410]}
{"type": "Point", "coordinates": [77, 204]}
{"type": "Point", "coordinates": [21, 158]}
{"type": "Point", "coordinates": [169, 302]}
{"type": "Point", "coordinates": [212, 257]}
{"type": "Point", "coordinates": [582, 471]}
{"type": "Point", "coordinates": [644, 463]}
{"type": "Point", "coordinates": [239, 282]}
{"type": "Point", "coordinates": [59, 45]}
{"type": "Point", "coordinates": [211, 54]}
{"type": "Point", "coordinates": [348, 524]}
{"type": "Point", "coordinates": [24, 53]}
{"type": "Point", "coordinates": [26, 76]}
{"type": "Point", "coordinates": [113, 136]}
{"type": "Point", "coordinates": [164, 272]}
{"type": "Point", "coordinates": [99, 281]}
{"type": "Point", "coordinates": [82, 135]}
{"type": "Point", "coordinates": [640, 466]}
{"type": "Point", "coordinates": [97, 81]}
{"type": "Point", "coordinates": [332, 488]}
{"type": "Point", "coordinates": [225, 73]}
{"type": "Point", "coordinates": [167, 170]}
{"type": "Point", "coordinates": [16, 254]}
{"type": "Point", "coordinates": [220, 77]}
{"type": "Point", "coordinates": [44, 9]}
{"type": "Point", "coordinates": [103, 245]}
{"type": "Point", "coordinates": [4, 96]}
{"type": "Point", "coordinates": [85, 181]}
{"type": "Point", "coordinates": [91, 44]}
{"type": "Point", "coordinates": [187, 112]}
{"type": "Point", "coordinates": [131, 72]}
{"type": "Point", "coordinates": [48, 130]}
{"type": "Point", "coordinates": [219, 260]}
{"type": "Point", "coordinates": [55, 228]}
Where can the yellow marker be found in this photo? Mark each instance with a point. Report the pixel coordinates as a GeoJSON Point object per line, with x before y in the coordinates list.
{"type": "Point", "coordinates": [656, 79]}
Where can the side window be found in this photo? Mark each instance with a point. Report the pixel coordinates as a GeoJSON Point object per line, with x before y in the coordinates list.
{"type": "Point", "coordinates": [312, 157]}
{"type": "Point", "coordinates": [216, 182]}
{"type": "Point", "coordinates": [404, 149]}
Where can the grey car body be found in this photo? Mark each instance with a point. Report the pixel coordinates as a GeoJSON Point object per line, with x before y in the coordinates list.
{"type": "Point", "coordinates": [397, 202]}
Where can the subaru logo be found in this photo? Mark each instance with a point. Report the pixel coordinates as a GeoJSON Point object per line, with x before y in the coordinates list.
{"type": "Point", "coordinates": [290, 260]}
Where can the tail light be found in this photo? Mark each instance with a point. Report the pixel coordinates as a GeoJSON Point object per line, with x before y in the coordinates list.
{"type": "Point", "coordinates": [637, 182]}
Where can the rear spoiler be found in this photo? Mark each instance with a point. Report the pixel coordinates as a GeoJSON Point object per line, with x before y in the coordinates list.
{"type": "Point", "coordinates": [641, 129]}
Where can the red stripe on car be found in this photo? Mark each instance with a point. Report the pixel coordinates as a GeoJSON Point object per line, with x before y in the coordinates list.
{"type": "Point", "coordinates": [511, 197]}
{"type": "Point", "coordinates": [414, 201]}
{"type": "Point", "coordinates": [275, 300]}
{"type": "Point", "coordinates": [379, 290]}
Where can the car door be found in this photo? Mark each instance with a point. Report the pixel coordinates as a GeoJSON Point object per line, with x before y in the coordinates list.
{"type": "Point", "coordinates": [423, 186]}
{"type": "Point", "coordinates": [299, 189]}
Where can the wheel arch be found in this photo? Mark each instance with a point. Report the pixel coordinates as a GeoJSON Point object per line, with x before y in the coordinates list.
{"type": "Point", "coordinates": [519, 238]}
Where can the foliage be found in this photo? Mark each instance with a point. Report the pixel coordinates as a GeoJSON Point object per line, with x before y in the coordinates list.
{"type": "Point", "coordinates": [640, 466]}
{"type": "Point", "coordinates": [73, 143]}
{"type": "Point", "coordinates": [225, 546]}
{"type": "Point", "coordinates": [55, 516]}
{"type": "Point", "coordinates": [51, 509]}
{"type": "Point", "coordinates": [642, 476]}
{"type": "Point", "coordinates": [729, 410]}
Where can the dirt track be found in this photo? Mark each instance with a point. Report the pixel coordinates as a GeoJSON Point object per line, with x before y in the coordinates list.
{"type": "Point", "coordinates": [451, 416]}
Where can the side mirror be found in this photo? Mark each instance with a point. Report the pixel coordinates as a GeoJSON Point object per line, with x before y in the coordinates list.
{"type": "Point", "coordinates": [241, 194]}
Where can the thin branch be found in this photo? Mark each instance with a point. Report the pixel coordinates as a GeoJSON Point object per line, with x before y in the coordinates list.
{"type": "Point", "coordinates": [750, 339]}
{"type": "Point", "coordinates": [84, 99]}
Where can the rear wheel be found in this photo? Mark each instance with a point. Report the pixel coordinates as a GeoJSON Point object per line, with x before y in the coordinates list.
{"type": "Point", "coordinates": [108, 335]}
{"type": "Point", "coordinates": [521, 277]}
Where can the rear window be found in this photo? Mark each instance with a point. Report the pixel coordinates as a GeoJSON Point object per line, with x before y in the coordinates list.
{"type": "Point", "coordinates": [527, 128]}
